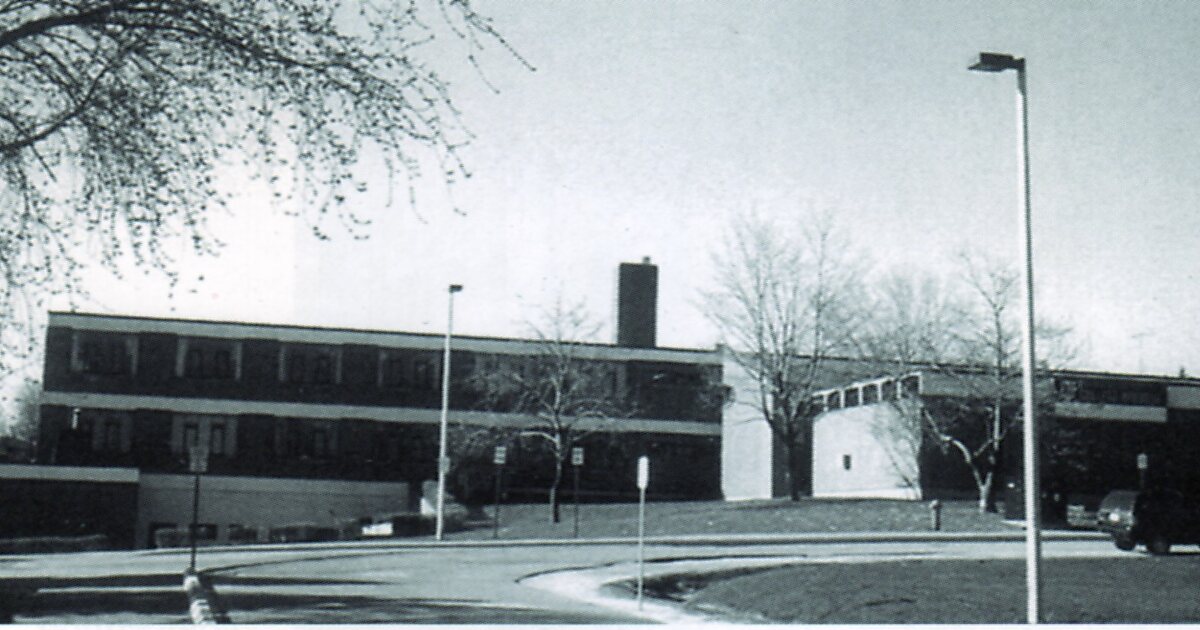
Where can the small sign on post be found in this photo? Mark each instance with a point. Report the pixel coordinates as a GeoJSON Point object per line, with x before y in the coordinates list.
{"type": "Point", "coordinates": [499, 457]}
{"type": "Point", "coordinates": [576, 463]}
{"type": "Point", "coordinates": [643, 480]}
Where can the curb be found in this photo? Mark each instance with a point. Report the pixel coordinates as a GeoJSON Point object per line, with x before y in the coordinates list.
{"type": "Point", "coordinates": [203, 605]}
{"type": "Point", "coordinates": [723, 540]}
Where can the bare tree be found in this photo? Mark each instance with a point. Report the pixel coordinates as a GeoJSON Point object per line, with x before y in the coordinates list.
{"type": "Point", "coordinates": [566, 395]}
{"type": "Point", "coordinates": [117, 116]}
{"type": "Point", "coordinates": [969, 337]}
{"type": "Point", "coordinates": [785, 303]}
{"type": "Point", "coordinates": [26, 411]}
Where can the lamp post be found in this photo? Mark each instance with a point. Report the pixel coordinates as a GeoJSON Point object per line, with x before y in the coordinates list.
{"type": "Point", "coordinates": [442, 463]}
{"type": "Point", "coordinates": [997, 62]}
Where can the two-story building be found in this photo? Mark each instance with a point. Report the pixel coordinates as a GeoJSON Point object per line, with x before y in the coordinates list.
{"type": "Point", "coordinates": [324, 425]}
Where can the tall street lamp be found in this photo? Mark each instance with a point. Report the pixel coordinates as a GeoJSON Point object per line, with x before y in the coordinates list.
{"type": "Point", "coordinates": [997, 62]}
{"type": "Point", "coordinates": [443, 464]}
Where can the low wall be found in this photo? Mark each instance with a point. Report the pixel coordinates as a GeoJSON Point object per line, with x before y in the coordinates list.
{"type": "Point", "coordinates": [230, 504]}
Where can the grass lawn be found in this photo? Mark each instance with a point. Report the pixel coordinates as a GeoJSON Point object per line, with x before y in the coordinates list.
{"type": "Point", "coordinates": [1121, 590]}
{"type": "Point", "coordinates": [715, 517]}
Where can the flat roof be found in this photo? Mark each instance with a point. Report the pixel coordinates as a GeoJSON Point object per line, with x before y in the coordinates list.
{"type": "Point", "coordinates": [315, 334]}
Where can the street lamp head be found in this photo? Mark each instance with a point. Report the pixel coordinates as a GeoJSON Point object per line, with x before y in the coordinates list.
{"type": "Point", "coordinates": [455, 288]}
{"type": "Point", "coordinates": [997, 62]}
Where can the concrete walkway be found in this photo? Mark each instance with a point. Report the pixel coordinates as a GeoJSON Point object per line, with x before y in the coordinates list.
{"type": "Point", "coordinates": [550, 581]}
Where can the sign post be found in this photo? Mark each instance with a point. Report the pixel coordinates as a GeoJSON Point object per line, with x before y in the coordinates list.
{"type": "Point", "coordinates": [197, 464]}
{"type": "Point", "coordinates": [577, 463]}
{"type": "Point", "coordinates": [643, 480]}
{"type": "Point", "coordinates": [498, 458]}
{"type": "Point", "coordinates": [1143, 464]}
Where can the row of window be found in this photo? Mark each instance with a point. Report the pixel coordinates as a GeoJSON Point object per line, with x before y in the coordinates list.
{"type": "Point", "coordinates": [870, 393]}
{"type": "Point", "coordinates": [221, 359]}
{"type": "Point", "coordinates": [315, 364]}
{"type": "Point", "coordinates": [1112, 392]}
{"type": "Point", "coordinates": [110, 432]}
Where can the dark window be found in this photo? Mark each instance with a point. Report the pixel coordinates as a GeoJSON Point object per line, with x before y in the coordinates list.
{"type": "Point", "coordinates": [323, 372]}
{"type": "Point", "coordinates": [217, 439]}
{"type": "Point", "coordinates": [191, 435]}
{"type": "Point", "coordinates": [870, 394]}
{"type": "Point", "coordinates": [296, 367]}
{"type": "Point", "coordinates": [888, 390]}
{"type": "Point", "coordinates": [222, 367]}
{"type": "Point", "coordinates": [112, 435]}
{"type": "Point", "coordinates": [394, 372]}
{"type": "Point", "coordinates": [852, 397]}
{"type": "Point", "coordinates": [320, 443]}
{"type": "Point", "coordinates": [422, 374]}
{"type": "Point", "coordinates": [195, 363]}
{"type": "Point", "coordinates": [910, 386]}
{"type": "Point", "coordinates": [104, 357]}
{"type": "Point", "coordinates": [846, 462]}
{"type": "Point", "coordinates": [295, 442]}
{"type": "Point", "coordinates": [833, 401]}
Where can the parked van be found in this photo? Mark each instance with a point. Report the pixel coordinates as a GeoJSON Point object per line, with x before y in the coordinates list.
{"type": "Point", "coordinates": [1155, 518]}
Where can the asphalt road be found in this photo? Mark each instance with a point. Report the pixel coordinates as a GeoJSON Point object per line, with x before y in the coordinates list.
{"type": "Point", "coordinates": [423, 583]}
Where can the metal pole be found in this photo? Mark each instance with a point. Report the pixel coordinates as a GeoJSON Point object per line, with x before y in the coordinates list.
{"type": "Point", "coordinates": [1033, 545]}
{"type": "Point", "coordinates": [496, 517]}
{"type": "Point", "coordinates": [641, 580]}
{"type": "Point", "coordinates": [441, 463]}
{"type": "Point", "coordinates": [576, 501]}
{"type": "Point", "coordinates": [195, 520]}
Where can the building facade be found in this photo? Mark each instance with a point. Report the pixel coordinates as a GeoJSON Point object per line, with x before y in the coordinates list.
{"type": "Point", "coordinates": [325, 426]}
{"type": "Point", "coordinates": [1095, 428]}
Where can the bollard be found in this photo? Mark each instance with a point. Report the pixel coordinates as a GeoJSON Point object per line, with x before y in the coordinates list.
{"type": "Point", "coordinates": [935, 515]}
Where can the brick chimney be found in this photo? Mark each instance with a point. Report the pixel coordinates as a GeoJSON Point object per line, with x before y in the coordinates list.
{"type": "Point", "coordinates": [637, 304]}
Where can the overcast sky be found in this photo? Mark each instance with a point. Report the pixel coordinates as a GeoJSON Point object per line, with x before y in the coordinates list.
{"type": "Point", "coordinates": [646, 124]}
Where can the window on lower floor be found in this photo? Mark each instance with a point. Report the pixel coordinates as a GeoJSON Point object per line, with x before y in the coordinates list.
{"type": "Point", "coordinates": [191, 435]}
{"type": "Point", "coordinates": [216, 441]}
{"type": "Point", "coordinates": [112, 435]}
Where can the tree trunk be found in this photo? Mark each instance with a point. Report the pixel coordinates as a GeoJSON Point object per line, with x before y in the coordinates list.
{"type": "Point", "coordinates": [793, 478]}
{"type": "Point", "coordinates": [555, 513]}
{"type": "Point", "coordinates": [985, 494]}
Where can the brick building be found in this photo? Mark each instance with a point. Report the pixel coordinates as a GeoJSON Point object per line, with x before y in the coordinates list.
{"type": "Point", "coordinates": [322, 425]}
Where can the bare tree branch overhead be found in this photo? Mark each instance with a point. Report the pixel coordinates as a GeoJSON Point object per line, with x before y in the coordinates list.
{"type": "Point", "coordinates": [117, 116]}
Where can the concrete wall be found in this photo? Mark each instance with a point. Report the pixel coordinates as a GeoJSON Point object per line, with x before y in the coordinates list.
{"type": "Point", "coordinates": [862, 452]}
{"type": "Point", "coordinates": [747, 463]}
{"type": "Point", "coordinates": [262, 501]}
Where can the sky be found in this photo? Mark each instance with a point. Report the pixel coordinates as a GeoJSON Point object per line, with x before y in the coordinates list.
{"type": "Point", "coordinates": [647, 125]}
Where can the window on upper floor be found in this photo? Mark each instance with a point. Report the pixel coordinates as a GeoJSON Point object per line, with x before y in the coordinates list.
{"type": "Point", "coordinates": [207, 358]}
{"type": "Point", "coordinates": [103, 353]}
{"type": "Point", "coordinates": [310, 364]}
{"type": "Point", "coordinates": [423, 373]}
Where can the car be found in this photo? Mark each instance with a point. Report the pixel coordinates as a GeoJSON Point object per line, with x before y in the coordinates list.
{"type": "Point", "coordinates": [1156, 518]}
